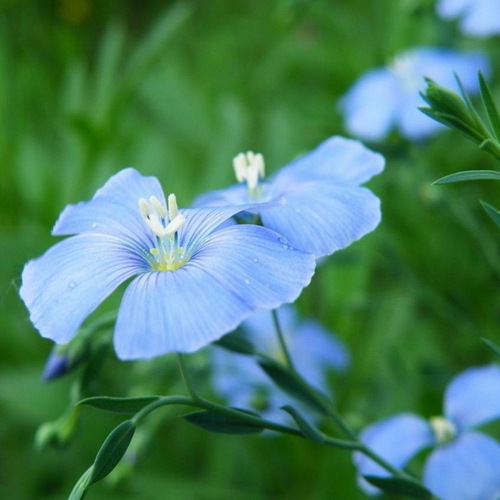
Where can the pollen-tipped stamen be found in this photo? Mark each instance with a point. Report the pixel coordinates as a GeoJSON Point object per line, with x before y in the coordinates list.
{"type": "Point", "coordinates": [249, 167]}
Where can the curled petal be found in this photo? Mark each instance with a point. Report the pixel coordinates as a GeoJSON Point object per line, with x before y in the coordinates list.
{"type": "Point", "coordinates": [473, 397]}
{"type": "Point", "coordinates": [371, 106]}
{"type": "Point", "coordinates": [340, 159]}
{"type": "Point", "coordinates": [397, 440]}
{"type": "Point", "coordinates": [465, 469]}
{"type": "Point", "coordinates": [321, 217]}
{"type": "Point", "coordinates": [63, 286]}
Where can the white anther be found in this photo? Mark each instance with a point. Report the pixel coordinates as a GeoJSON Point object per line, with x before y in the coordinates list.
{"type": "Point", "coordinates": [173, 210]}
{"type": "Point", "coordinates": [153, 221]}
{"type": "Point", "coordinates": [252, 178]}
{"type": "Point", "coordinates": [249, 167]}
{"type": "Point", "coordinates": [240, 166]}
{"type": "Point", "coordinates": [144, 208]}
{"type": "Point", "coordinates": [444, 430]}
{"type": "Point", "coordinates": [174, 225]}
{"type": "Point", "coordinates": [158, 206]}
{"type": "Point", "coordinates": [259, 162]}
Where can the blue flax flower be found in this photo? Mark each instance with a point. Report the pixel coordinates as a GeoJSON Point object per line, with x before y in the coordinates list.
{"type": "Point", "coordinates": [314, 350]}
{"type": "Point", "coordinates": [464, 463]}
{"type": "Point", "coordinates": [320, 206]}
{"type": "Point", "coordinates": [476, 17]}
{"type": "Point", "coordinates": [388, 97]}
{"type": "Point", "coordinates": [194, 280]}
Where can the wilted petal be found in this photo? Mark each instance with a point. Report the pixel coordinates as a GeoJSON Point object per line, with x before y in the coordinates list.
{"type": "Point", "coordinates": [370, 107]}
{"type": "Point", "coordinates": [63, 286]}
{"type": "Point", "coordinates": [397, 440]}
{"type": "Point", "coordinates": [340, 159]}
{"type": "Point", "coordinates": [473, 397]}
{"type": "Point", "coordinates": [466, 469]}
{"type": "Point", "coordinates": [321, 217]}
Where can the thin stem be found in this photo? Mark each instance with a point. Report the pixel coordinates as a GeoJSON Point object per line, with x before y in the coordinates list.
{"type": "Point", "coordinates": [281, 340]}
{"type": "Point", "coordinates": [383, 463]}
{"type": "Point", "coordinates": [185, 377]}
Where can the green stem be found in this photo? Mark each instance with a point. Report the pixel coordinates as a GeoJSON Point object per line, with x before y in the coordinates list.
{"type": "Point", "coordinates": [185, 377]}
{"type": "Point", "coordinates": [281, 340]}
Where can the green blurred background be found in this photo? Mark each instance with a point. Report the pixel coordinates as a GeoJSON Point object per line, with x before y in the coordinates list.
{"type": "Point", "coordinates": [176, 89]}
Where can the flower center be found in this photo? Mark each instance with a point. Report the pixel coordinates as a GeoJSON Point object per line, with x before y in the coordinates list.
{"type": "Point", "coordinates": [444, 430]}
{"type": "Point", "coordinates": [167, 255]}
{"type": "Point", "coordinates": [405, 68]}
{"type": "Point", "coordinates": [249, 167]}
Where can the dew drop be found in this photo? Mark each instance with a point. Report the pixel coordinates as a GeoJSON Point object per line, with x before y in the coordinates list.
{"type": "Point", "coordinates": [94, 225]}
{"type": "Point", "coordinates": [247, 282]}
{"type": "Point", "coordinates": [255, 260]}
{"type": "Point", "coordinates": [347, 197]}
{"type": "Point", "coordinates": [285, 247]}
{"type": "Point", "coordinates": [298, 210]}
{"type": "Point", "coordinates": [282, 239]}
{"type": "Point", "coordinates": [72, 284]}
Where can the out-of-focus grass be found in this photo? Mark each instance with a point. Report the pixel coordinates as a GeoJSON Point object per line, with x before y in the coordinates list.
{"type": "Point", "coordinates": [87, 88]}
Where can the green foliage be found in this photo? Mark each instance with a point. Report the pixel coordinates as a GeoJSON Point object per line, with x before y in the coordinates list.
{"type": "Point", "coordinates": [215, 422]}
{"type": "Point", "coordinates": [405, 487]}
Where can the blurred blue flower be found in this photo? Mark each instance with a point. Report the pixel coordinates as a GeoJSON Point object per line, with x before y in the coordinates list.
{"type": "Point", "coordinates": [239, 379]}
{"type": "Point", "coordinates": [322, 207]}
{"type": "Point", "coordinates": [464, 463]}
{"type": "Point", "coordinates": [476, 17]}
{"type": "Point", "coordinates": [195, 281]}
{"type": "Point", "coordinates": [389, 97]}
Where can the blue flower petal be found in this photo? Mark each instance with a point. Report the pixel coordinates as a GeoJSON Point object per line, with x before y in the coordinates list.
{"type": "Point", "coordinates": [232, 272]}
{"type": "Point", "coordinates": [233, 195]}
{"type": "Point", "coordinates": [465, 469]}
{"type": "Point", "coordinates": [397, 440]}
{"type": "Point", "coordinates": [337, 158]}
{"type": "Point", "coordinates": [473, 397]}
{"type": "Point", "coordinates": [371, 106]}
{"type": "Point", "coordinates": [63, 286]}
{"type": "Point", "coordinates": [321, 217]}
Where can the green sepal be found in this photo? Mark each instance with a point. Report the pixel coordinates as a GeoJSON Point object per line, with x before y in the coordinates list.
{"type": "Point", "coordinates": [492, 346]}
{"type": "Point", "coordinates": [236, 342]}
{"type": "Point", "coordinates": [81, 487]}
{"type": "Point", "coordinates": [223, 424]}
{"type": "Point", "coordinates": [493, 212]}
{"type": "Point", "coordinates": [469, 175]}
{"type": "Point", "coordinates": [119, 405]}
{"type": "Point", "coordinates": [489, 105]}
{"type": "Point", "coordinates": [400, 486]}
{"type": "Point", "coordinates": [112, 450]}
{"type": "Point", "coordinates": [308, 431]}
{"type": "Point", "coordinates": [294, 385]}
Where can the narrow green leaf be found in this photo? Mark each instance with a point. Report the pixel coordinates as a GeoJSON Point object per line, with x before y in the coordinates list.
{"type": "Point", "coordinates": [492, 346]}
{"type": "Point", "coordinates": [308, 431]}
{"type": "Point", "coordinates": [472, 110]}
{"type": "Point", "coordinates": [491, 147]}
{"type": "Point", "coordinates": [490, 106]}
{"type": "Point", "coordinates": [469, 175]}
{"type": "Point", "coordinates": [224, 424]}
{"type": "Point", "coordinates": [112, 450]}
{"type": "Point", "coordinates": [237, 342]}
{"type": "Point", "coordinates": [400, 486]}
{"type": "Point", "coordinates": [119, 405]}
{"type": "Point", "coordinates": [81, 487]}
{"type": "Point", "coordinates": [493, 212]}
{"type": "Point", "coordinates": [294, 385]}
{"type": "Point", "coordinates": [453, 122]}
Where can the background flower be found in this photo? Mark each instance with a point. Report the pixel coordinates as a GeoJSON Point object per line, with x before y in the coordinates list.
{"type": "Point", "coordinates": [196, 282]}
{"type": "Point", "coordinates": [320, 205]}
{"type": "Point", "coordinates": [314, 351]}
{"type": "Point", "coordinates": [476, 17]}
{"type": "Point", "coordinates": [388, 97]}
{"type": "Point", "coordinates": [464, 463]}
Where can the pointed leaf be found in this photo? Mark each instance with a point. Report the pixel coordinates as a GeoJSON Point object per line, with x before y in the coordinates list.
{"type": "Point", "coordinates": [400, 486]}
{"type": "Point", "coordinates": [490, 106]}
{"type": "Point", "coordinates": [493, 212]}
{"type": "Point", "coordinates": [491, 147]}
{"type": "Point", "coordinates": [308, 430]}
{"type": "Point", "coordinates": [492, 346]}
{"type": "Point", "coordinates": [119, 405]}
{"type": "Point", "coordinates": [112, 450]}
{"type": "Point", "coordinates": [469, 175]}
{"type": "Point", "coordinates": [294, 385]}
{"type": "Point", "coordinates": [224, 424]}
{"type": "Point", "coordinates": [81, 487]}
{"type": "Point", "coordinates": [236, 342]}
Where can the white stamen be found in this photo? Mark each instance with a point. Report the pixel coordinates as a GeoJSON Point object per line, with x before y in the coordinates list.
{"type": "Point", "coordinates": [153, 221]}
{"type": "Point", "coordinates": [444, 430]}
{"type": "Point", "coordinates": [174, 225]}
{"type": "Point", "coordinates": [173, 210]}
{"type": "Point", "coordinates": [249, 167]}
{"type": "Point", "coordinates": [158, 206]}
{"type": "Point", "coordinates": [144, 208]}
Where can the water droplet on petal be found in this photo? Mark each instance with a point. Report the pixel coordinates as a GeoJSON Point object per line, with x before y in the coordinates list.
{"type": "Point", "coordinates": [285, 247]}
{"type": "Point", "coordinates": [94, 225]}
{"type": "Point", "coordinates": [72, 284]}
{"type": "Point", "coordinates": [247, 282]}
{"type": "Point", "coordinates": [255, 260]}
{"type": "Point", "coordinates": [298, 210]}
{"type": "Point", "coordinates": [347, 196]}
{"type": "Point", "coordinates": [282, 239]}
